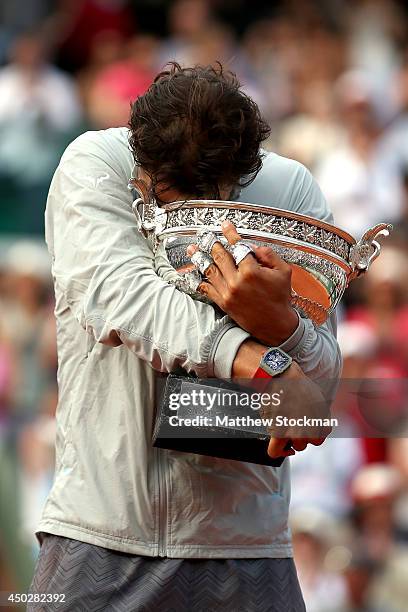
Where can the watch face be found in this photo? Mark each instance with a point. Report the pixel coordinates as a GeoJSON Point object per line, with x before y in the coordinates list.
{"type": "Point", "coordinates": [276, 360]}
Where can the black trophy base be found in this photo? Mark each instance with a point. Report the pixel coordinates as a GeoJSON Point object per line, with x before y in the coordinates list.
{"type": "Point", "coordinates": [247, 444]}
{"type": "Point", "coordinates": [251, 450]}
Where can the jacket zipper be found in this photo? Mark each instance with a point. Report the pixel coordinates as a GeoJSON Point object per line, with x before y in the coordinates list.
{"type": "Point", "coordinates": [162, 518]}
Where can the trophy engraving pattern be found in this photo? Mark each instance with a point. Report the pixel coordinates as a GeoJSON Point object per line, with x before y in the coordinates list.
{"type": "Point", "coordinates": [330, 256]}
{"type": "Point", "coordinates": [271, 224]}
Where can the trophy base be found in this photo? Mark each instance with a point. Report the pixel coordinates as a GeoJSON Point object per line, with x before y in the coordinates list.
{"type": "Point", "coordinates": [207, 437]}
{"type": "Point", "coordinates": [251, 450]}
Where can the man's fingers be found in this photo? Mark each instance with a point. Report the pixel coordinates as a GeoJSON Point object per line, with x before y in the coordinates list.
{"type": "Point", "coordinates": [225, 262]}
{"type": "Point", "coordinates": [249, 263]}
{"type": "Point", "coordinates": [229, 231]}
{"type": "Point", "coordinates": [317, 441]}
{"type": "Point", "coordinates": [299, 444]}
{"type": "Point", "coordinates": [228, 274]}
{"type": "Point", "coordinates": [276, 448]}
{"type": "Point", "coordinates": [191, 249]}
{"type": "Point", "coordinates": [212, 273]}
{"type": "Point", "coordinates": [268, 258]}
{"type": "Point", "coordinates": [211, 292]}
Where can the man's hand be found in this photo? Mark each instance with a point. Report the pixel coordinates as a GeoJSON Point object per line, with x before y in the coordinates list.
{"type": "Point", "coordinates": [256, 294]}
{"type": "Point", "coordinates": [301, 398]}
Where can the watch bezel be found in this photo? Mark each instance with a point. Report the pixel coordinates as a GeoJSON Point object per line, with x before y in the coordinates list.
{"type": "Point", "coordinates": [268, 369]}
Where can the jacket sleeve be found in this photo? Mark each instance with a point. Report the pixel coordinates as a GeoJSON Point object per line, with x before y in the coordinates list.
{"type": "Point", "coordinates": [107, 272]}
{"type": "Point", "coordinates": [315, 348]}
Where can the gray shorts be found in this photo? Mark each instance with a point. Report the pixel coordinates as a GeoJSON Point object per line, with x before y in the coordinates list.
{"type": "Point", "coordinates": [95, 579]}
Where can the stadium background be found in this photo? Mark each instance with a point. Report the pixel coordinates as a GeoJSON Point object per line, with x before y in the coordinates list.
{"type": "Point", "coordinates": [331, 76]}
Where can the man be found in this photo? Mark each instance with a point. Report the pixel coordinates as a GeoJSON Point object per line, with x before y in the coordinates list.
{"type": "Point", "coordinates": [127, 526]}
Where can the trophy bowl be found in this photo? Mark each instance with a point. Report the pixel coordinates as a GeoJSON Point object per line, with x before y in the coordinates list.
{"type": "Point", "coordinates": [324, 259]}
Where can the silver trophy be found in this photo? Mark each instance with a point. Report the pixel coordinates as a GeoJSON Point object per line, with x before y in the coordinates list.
{"type": "Point", "coordinates": [324, 258]}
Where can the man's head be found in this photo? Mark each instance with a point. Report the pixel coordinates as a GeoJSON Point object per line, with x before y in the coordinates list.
{"type": "Point", "coordinates": [196, 134]}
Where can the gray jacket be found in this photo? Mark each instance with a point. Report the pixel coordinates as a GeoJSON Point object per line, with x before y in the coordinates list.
{"type": "Point", "coordinates": [118, 324]}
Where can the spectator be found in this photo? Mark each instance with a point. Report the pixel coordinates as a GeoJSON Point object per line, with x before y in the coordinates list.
{"type": "Point", "coordinates": [385, 305]}
{"type": "Point", "coordinates": [359, 188]}
{"type": "Point", "coordinates": [39, 112]}
{"type": "Point", "coordinates": [313, 133]}
{"type": "Point", "coordinates": [107, 48]}
{"type": "Point", "coordinates": [19, 15]}
{"type": "Point", "coordinates": [187, 19]}
{"type": "Point", "coordinates": [376, 489]}
{"type": "Point", "coordinates": [121, 82]}
{"type": "Point", "coordinates": [77, 23]}
{"type": "Point", "coordinates": [323, 590]}
{"type": "Point", "coordinates": [30, 86]}
{"type": "Point", "coordinates": [24, 314]}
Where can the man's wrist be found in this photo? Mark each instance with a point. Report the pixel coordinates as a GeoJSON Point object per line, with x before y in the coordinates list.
{"type": "Point", "coordinates": [247, 359]}
{"type": "Point", "coordinates": [289, 323]}
{"type": "Point", "coordinates": [251, 351]}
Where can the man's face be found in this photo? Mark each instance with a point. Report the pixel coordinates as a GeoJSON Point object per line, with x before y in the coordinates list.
{"type": "Point", "coordinates": [169, 194]}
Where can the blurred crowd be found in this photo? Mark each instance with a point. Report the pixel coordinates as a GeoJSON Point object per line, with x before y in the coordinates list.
{"type": "Point", "coordinates": [331, 77]}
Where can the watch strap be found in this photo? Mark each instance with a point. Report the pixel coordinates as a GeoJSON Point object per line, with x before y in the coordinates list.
{"type": "Point", "coordinates": [261, 373]}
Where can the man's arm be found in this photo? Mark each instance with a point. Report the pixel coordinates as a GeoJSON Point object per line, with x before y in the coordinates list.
{"type": "Point", "coordinates": [314, 348]}
{"type": "Point", "coordinates": [106, 271]}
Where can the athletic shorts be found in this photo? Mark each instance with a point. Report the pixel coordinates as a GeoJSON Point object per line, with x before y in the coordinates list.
{"type": "Point", "coordinates": [90, 578]}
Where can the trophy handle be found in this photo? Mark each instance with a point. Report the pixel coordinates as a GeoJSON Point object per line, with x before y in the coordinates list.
{"type": "Point", "coordinates": [144, 206]}
{"type": "Point", "coordinates": [367, 249]}
{"type": "Point", "coordinates": [150, 218]}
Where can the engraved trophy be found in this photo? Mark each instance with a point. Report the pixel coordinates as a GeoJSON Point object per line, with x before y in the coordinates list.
{"type": "Point", "coordinates": [324, 258]}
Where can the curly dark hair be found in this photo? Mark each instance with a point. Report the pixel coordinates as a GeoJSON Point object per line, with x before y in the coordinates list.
{"type": "Point", "coordinates": [194, 130]}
